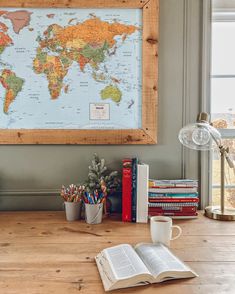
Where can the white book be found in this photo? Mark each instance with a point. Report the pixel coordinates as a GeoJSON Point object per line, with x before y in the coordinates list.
{"type": "Point", "coordinates": [123, 266]}
{"type": "Point", "coordinates": [142, 193]}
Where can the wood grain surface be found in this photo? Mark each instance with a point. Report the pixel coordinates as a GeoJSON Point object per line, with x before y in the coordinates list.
{"type": "Point", "coordinates": [74, 3]}
{"type": "Point", "coordinates": [40, 252]}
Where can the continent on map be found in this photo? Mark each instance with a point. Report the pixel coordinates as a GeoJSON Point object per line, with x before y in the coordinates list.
{"type": "Point", "coordinates": [55, 69]}
{"type": "Point", "coordinates": [85, 43]}
{"type": "Point", "coordinates": [111, 92]}
{"type": "Point", "coordinates": [19, 19]}
{"type": "Point", "coordinates": [5, 41]}
{"type": "Point", "coordinates": [13, 86]}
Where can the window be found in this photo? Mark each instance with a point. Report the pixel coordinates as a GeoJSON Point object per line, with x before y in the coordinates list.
{"type": "Point", "coordinates": [223, 95]}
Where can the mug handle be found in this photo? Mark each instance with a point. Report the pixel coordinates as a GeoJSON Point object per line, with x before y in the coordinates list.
{"type": "Point", "coordinates": [180, 232]}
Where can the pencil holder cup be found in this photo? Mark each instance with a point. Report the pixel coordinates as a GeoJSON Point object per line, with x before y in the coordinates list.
{"type": "Point", "coordinates": [72, 210]}
{"type": "Point", "coordinates": [93, 213]}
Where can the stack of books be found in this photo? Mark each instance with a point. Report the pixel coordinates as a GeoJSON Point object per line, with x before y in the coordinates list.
{"type": "Point", "coordinates": [174, 198]}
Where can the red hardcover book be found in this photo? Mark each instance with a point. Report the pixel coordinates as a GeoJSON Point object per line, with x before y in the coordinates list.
{"type": "Point", "coordinates": [170, 213]}
{"type": "Point", "coordinates": [126, 190]}
{"type": "Point", "coordinates": [185, 209]}
{"type": "Point", "coordinates": [153, 200]}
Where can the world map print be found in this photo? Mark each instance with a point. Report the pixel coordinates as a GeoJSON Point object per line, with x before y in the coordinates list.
{"type": "Point", "coordinates": [70, 68]}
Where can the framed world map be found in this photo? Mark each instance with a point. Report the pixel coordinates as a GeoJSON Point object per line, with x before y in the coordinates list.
{"type": "Point", "coordinates": [78, 72]}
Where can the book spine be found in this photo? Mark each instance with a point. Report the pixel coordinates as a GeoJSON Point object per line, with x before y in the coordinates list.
{"type": "Point", "coordinates": [171, 186]}
{"type": "Point", "coordinates": [173, 204]}
{"type": "Point", "coordinates": [176, 209]}
{"type": "Point", "coordinates": [183, 216]}
{"type": "Point", "coordinates": [142, 193]}
{"type": "Point", "coordinates": [173, 190]}
{"type": "Point", "coordinates": [170, 200]}
{"type": "Point", "coordinates": [126, 192]}
{"type": "Point", "coordinates": [173, 195]}
{"type": "Point", "coordinates": [173, 183]}
{"type": "Point", "coordinates": [134, 189]}
{"type": "Point", "coordinates": [172, 214]}
{"type": "Point", "coordinates": [192, 185]}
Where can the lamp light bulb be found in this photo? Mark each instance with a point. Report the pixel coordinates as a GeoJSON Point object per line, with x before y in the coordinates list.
{"type": "Point", "coordinates": [201, 136]}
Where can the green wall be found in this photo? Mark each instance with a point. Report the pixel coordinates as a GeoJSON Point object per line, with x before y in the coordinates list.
{"type": "Point", "coordinates": [31, 175]}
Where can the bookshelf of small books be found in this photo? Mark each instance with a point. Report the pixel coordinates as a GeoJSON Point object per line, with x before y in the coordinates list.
{"type": "Point", "coordinates": [143, 197]}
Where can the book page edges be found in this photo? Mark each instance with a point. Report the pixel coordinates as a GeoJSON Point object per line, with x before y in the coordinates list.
{"type": "Point", "coordinates": [105, 271]}
{"type": "Point", "coordinates": [142, 193]}
{"type": "Point", "coordinates": [174, 275]}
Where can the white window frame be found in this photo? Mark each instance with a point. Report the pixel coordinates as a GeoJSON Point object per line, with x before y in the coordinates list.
{"type": "Point", "coordinates": [205, 169]}
{"type": "Point", "coordinates": [191, 81]}
{"type": "Point", "coordinates": [219, 15]}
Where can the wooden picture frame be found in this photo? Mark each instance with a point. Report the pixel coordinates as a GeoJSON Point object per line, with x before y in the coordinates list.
{"type": "Point", "coordinates": [148, 133]}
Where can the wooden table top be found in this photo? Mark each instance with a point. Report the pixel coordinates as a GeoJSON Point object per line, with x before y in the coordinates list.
{"type": "Point", "coordinates": [40, 252]}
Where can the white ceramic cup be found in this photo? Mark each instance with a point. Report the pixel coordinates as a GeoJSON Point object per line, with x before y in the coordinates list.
{"type": "Point", "coordinates": [161, 229]}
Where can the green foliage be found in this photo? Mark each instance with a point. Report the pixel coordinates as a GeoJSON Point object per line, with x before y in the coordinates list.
{"type": "Point", "coordinates": [98, 172]}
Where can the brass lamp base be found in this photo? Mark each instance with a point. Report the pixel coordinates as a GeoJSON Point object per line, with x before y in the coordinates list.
{"type": "Point", "coordinates": [215, 212]}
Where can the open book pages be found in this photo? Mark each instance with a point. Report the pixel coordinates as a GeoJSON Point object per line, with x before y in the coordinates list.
{"type": "Point", "coordinates": [123, 266]}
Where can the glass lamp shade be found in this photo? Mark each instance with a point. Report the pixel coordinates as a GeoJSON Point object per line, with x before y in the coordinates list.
{"type": "Point", "coordinates": [199, 136]}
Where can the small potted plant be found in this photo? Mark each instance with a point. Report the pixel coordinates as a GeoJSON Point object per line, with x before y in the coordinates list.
{"type": "Point", "coordinates": [72, 200]}
{"type": "Point", "coordinates": [99, 176]}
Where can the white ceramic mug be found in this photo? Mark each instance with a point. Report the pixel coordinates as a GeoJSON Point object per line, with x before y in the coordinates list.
{"type": "Point", "coordinates": [161, 229]}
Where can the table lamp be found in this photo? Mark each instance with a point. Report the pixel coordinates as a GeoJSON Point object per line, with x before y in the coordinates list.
{"type": "Point", "coordinates": [202, 136]}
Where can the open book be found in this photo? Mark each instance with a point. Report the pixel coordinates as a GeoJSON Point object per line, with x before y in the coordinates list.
{"type": "Point", "coordinates": [123, 266]}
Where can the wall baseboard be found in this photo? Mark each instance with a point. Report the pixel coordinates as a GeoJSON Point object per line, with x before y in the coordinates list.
{"type": "Point", "coordinates": [39, 192]}
{"type": "Point", "coordinates": [11, 200]}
